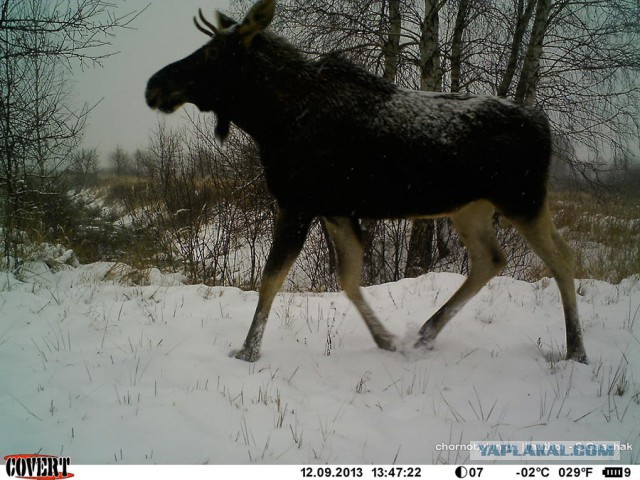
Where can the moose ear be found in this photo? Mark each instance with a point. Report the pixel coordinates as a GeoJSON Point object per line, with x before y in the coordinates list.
{"type": "Point", "coordinates": [258, 18]}
{"type": "Point", "coordinates": [224, 21]}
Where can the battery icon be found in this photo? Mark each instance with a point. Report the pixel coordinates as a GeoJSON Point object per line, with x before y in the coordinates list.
{"type": "Point", "coordinates": [612, 472]}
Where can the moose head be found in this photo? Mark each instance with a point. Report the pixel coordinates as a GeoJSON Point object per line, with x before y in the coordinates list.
{"type": "Point", "coordinates": [210, 78]}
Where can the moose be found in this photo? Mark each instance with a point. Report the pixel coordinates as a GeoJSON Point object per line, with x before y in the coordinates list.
{"type": "Point", "coordinates": [342, 144]}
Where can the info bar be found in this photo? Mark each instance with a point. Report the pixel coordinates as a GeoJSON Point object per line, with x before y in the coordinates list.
{"type": "Point", "coordinates": [364, 472]}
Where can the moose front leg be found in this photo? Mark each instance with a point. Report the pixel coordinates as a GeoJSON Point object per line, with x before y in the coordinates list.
{"type": "Point", "coordinates": [290, 233]}
{"type": "Point", "coordinates": [346, 236]}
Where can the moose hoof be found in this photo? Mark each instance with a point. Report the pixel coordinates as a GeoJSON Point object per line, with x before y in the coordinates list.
{"type": "Point", "coordinates": [245, 354]}
{"type": "Point", "coordinates": [580, 357]}
{"type": "Point", "coordinates": [424, 343]}
{"type": "Point", "coordinates": [386, 342]}
{"type": "Point", "coordinates": [427, 337]}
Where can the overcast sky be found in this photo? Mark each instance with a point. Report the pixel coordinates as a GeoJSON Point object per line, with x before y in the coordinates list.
{"type": "Point", "coordinates": [163, 34]}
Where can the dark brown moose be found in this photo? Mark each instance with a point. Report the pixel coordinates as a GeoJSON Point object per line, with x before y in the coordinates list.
{"type": "Point", "coordinates": [339, 143]}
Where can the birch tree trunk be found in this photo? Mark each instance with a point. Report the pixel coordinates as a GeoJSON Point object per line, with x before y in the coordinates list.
{"type": "Point", "coordinates": [391, 49]}
{"type": "Point", "coordinates": [456, 44]}
{"type": "Point", "coordinates": [522, 22]}
{"type": "Point", "coordinates": [430, 63]}
{"type": "Point", "coordinates": [529, 76]}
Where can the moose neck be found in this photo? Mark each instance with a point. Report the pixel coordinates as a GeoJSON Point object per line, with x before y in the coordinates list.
{"type": "Point", "coordinates": [275, 87]}
{"type": "Point", "coordinates": [283, 93]}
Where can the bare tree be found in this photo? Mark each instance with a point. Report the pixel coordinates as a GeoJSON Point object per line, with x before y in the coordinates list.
{"type": "Point", "coordinates": [75, 31]}
{"type": "Point", "coordinates": [121, 161]}
{"type": "Point", "coordinates": [589, 81]}
{"type": "Point", "coordinates": [462, 21]}
{"type": "Point", "coordinates": [529, 75]}
{"type": "Point", "coordinates": [522, 19]}
{"type": "Point", "coordinates": [84, 165]}
{"type": "Point", "coordinates": [430, 54]}
{"type": "Point", "coordinates": [391, 48]}
{"type": "Point", "coordinates": [40, 126]}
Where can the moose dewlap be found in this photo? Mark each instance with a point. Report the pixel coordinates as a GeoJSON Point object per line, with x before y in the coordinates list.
{"type": "Point", "coordinates": [339, 143]}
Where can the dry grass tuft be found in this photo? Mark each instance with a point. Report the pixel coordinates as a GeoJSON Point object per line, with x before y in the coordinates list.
{"type": "Point", "coordinates": [604, 230]}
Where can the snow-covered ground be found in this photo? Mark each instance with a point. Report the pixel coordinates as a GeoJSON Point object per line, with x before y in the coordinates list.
{"type": "Point", "coordinates": [109, 373]}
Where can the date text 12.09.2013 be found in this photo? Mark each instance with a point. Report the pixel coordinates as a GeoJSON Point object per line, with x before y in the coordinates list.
{"type": "Point", "coordinates": [358, 472]}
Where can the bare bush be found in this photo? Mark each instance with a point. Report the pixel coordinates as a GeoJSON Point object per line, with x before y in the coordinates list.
{"type": "Point", "coordinates": [200, 208]}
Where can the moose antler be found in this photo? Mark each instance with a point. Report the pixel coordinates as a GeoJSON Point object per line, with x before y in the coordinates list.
{"type": "Point", "coordinates": [213, 30]}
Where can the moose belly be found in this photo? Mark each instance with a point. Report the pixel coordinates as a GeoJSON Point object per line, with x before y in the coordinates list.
{"type": "Point", "coordinates": [372, 189]}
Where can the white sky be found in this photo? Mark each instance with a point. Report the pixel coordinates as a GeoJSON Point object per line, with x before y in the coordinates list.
{"type": "Point", "coordinates": [163, 34]}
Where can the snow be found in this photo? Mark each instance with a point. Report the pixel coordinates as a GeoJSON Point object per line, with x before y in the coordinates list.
{"type": "Point", "coordinates": [107, 372]}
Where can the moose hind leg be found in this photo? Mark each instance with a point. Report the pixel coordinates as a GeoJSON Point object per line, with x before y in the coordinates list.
{"type": "Point", "coordinates": [547, 243]}
{"type": "Point", "coordinates": [474, 225]}
{"type": "Point", "coordinates": [345, 235]}
{"type": "Point", "coordinates": [290, 234]}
